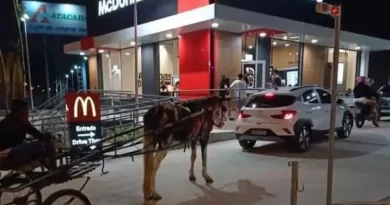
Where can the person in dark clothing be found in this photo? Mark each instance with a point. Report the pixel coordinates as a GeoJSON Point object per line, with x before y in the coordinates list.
{"type": "Point", "coordinates": [276, 79]}
{"type": "Point", "coordinates": [223, 86]}
{"type": "Point", "coordinates": [246, 78]}
{"type": "Point", "coordinates": [13, 130]}
{"type": "Point", "coordinates": [366, 95]}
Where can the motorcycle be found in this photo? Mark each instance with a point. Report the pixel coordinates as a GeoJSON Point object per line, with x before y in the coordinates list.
{"type": "Point", "coordinates": [362, 113]}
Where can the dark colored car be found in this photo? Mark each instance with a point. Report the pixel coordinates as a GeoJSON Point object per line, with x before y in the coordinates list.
{"type": "Point", "coordinates": [384, 100]}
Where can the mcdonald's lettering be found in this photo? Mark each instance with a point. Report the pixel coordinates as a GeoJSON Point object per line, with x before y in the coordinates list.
{"type": "Point", "coordinates": [84, 106]}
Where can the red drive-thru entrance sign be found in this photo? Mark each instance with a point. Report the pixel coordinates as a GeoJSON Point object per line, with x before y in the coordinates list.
{"type": "Point", "coordinates": [83, 117]}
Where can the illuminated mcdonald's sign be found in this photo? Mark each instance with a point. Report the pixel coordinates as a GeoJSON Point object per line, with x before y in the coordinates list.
{"type": "Point", "coordinates": [84, 106]}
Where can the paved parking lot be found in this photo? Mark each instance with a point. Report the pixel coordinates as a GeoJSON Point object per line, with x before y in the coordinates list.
{"type": "Point", "coordinates": [259, 176]}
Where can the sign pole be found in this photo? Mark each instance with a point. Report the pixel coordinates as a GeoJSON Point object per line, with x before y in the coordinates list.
{"type": "Point", "coordinates": [46, 68]}
{"type": "Point", "coordinates": [136, 57]}
{"type": "Point", "coordinates": [329, 187]}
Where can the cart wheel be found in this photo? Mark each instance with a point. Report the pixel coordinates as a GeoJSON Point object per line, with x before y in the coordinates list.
{"type": "Point", "coordinates": [28, 196]}
{"type": "Point", "coordinates": [67, 197]}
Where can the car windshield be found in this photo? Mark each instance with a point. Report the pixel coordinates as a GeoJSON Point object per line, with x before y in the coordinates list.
{"type": "Point", "coordinates": [270, 101]}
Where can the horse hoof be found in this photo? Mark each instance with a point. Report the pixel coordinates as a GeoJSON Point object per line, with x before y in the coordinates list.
{"type": "Point", "coordinates": [148, 197]}
{"type": "Point", "coordinates": [192, 178]}
{"type": "Point", "coordinates": [209, 180]}
{"type": "Point", "coordinates": [152, 197]}
{"type": "Point", "coordinates": [156, 197]}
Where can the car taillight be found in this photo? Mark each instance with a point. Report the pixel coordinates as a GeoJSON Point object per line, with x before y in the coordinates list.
{"type": "Point", "coordinates": [268, 95]}
{"type": "Point", "coordinates": [242, 115]}
{"type": "Point", "coordinates": [286, 115]}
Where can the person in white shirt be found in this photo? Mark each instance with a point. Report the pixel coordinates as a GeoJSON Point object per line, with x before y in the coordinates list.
{"type": "Point", "coordinates": [239, 86]}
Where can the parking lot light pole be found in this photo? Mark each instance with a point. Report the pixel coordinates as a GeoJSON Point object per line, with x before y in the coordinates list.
{"type": "Point", "coordinates": [24, 18]}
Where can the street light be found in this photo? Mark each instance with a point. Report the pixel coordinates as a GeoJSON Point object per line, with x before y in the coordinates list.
{"type": "Point", "coordinates": [66, 82]}
{"type": "Point", "coordinates": [72, 71]}
{"type": "Point", "coordinates": [24, 18]}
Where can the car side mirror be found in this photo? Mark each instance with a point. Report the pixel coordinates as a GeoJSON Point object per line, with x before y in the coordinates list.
{"type": "Point", "coordinates": [339, 102]}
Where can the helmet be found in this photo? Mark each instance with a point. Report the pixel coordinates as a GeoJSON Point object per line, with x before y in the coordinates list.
{"type": "Point", "coordinates": [361, 79]}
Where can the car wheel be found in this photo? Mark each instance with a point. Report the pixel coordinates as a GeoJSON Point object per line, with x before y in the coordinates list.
{"type": "Point", "coordinates": [359, 121]}
{"type": "Point", "coordinates": [302, 139]}
{"type": "Point", "coordinates": [247, 144]}
{"type": "Point", "coordinates": [347, 125]}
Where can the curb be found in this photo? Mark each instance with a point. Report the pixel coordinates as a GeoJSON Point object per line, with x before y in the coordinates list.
{"type": "Point", "coordinates": [219, 136]}
{"type": "Point", "coordinates": [364, 203]}
{"type": "Point", "coordinates": [222, 135]}
{"type": "Point", "coordinates": [215, 136]}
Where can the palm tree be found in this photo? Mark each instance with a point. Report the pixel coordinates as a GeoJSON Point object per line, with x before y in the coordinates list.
{"type": "Point", "coordinates": [19, 12]}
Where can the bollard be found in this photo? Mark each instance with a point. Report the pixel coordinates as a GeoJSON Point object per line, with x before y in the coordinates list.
{"type": "Point", "coordinates": [294, 182]}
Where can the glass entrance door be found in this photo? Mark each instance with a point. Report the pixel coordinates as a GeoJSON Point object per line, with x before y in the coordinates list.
{"type": "Point", "coordinates": [255, 71]}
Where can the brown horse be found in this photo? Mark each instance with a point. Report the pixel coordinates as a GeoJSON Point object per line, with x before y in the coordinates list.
{"type": "Point", "coordinates": [189, 130]}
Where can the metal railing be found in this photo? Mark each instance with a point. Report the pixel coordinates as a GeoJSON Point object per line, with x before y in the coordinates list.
{"type": "Point", "coordinates": [117, 112]}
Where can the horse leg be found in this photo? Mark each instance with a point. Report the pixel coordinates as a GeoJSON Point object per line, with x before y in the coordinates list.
{"type": "Point", "coordinates": [148, 168]}
{"type": "Point", "coordinates": [158, 158]}
{"type": "Point", "coordinates": [193, 158]}
{"type": "Point", "coordinates": [204, 140]}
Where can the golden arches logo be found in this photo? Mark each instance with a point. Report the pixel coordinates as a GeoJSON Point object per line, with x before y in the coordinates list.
{"type": "Point", "coordinates": [84, 106]}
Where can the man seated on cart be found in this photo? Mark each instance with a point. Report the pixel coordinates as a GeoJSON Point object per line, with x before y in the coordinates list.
{"type": "Point", "coordinates": [15, 152]}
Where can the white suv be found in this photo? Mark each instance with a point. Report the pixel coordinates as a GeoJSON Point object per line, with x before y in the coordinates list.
{"type": "Point", "coordinates": [292, 115]}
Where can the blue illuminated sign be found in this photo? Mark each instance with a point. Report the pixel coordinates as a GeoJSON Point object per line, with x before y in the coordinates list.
{"type": "Point", "coordinates": [56, 19]}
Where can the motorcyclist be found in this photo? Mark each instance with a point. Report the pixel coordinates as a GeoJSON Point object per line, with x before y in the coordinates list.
{"type": "Point", "coordinates": [364, 94]}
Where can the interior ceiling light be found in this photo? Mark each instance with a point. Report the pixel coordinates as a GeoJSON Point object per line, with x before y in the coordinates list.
{"type": "Point", "coordinates": [274, 43]}
{"type": "Point", "coordinates": [284, 37]}
{"type": "Point", "coordinates": [132, 43]}
{"type": "Point", "coordinates": [250, 47]}
{"type": "Point", "coordinates": [82, 53]}
{"type": "Point", "coordinates": [101, 51]}
{"type": "Point", "coordinates": [358, 48]}
{"type": "Point", "coordinates": [314, 41]}
{"type": "Point", "coordinates": [214, 25]}
{"type": "Point", "coordinates": [127, 54]}
{"type": "Point", "coordinates": [287, 45]}
{"type": "Point", "coordinates": [263, 34]}
{"type": "Point", "coordinates": [169, 35]}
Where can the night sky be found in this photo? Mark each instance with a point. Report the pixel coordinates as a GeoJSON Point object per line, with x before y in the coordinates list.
{"type": "Point", "coordinates": [357, 16]}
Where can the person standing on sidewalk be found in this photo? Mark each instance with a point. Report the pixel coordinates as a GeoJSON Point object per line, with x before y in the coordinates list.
{"type": "Point", "coordinates": [276, 79]}
{"type": "Point", "coordinates": [223, 92]}
{"type": "Point", "coordinates": [238, 87]}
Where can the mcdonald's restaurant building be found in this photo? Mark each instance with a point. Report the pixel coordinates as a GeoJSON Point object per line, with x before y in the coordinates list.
{"type": "Point", "coordinates": [195, 42]}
